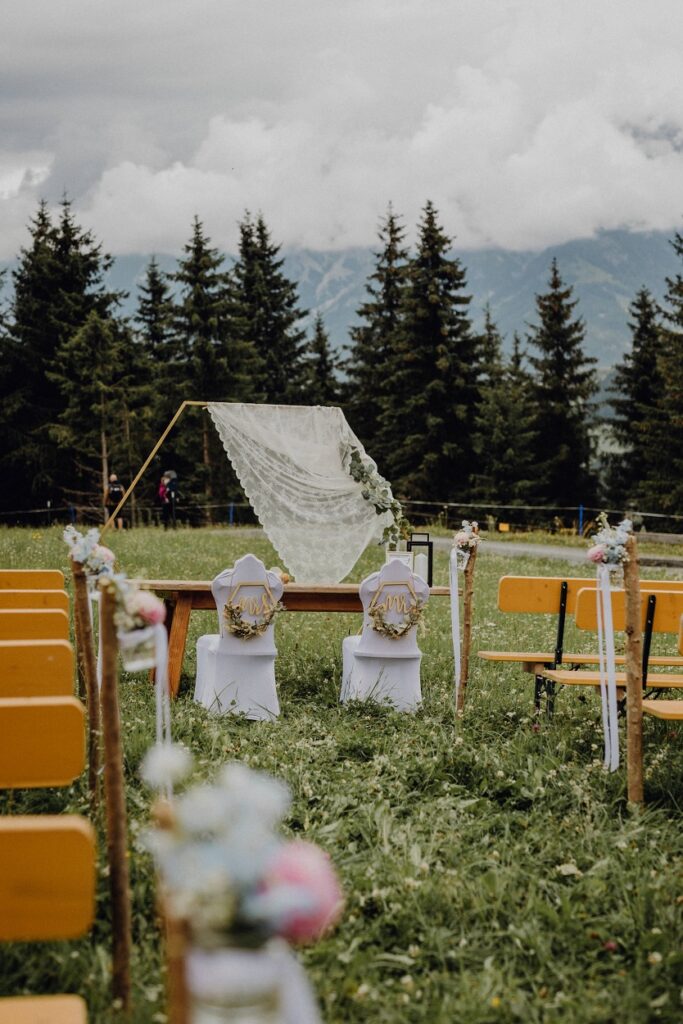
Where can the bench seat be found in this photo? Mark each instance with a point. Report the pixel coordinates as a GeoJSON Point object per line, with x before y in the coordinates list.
{"type": "Point", "coordinates": [671, 710]}
{"type": "Point", "coordinates": [43, 1010]}
{"type": "Point", "coordinates": [661, 680]}
{"type": "Point", "coordinates": [545, 658]}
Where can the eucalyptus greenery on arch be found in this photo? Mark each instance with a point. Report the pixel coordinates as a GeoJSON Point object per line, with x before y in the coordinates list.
{"type": "Point", "coordinates": [377, 491]}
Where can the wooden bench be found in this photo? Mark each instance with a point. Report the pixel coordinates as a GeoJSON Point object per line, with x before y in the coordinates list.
{"type": "Point", "coordinates": [671, 710]}
{"type": "Point", "coordinates": [34, 599]}
{"type": "Point", "coordinates": [661, 613]}
{"type": "Point", "coordinates": [31, 579]}
{"type": "Point", "coordinates": [43, 741]}
{"type": "Point", "coordinates": [556, 596]}
{"type": "Point", "coordinates": [47, 891]}
{"type": "Point", "coordinates": [33, 624]}
{"type": "Point", "coordinates": [36, 668]}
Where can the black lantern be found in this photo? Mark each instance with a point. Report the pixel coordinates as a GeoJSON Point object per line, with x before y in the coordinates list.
{"type": "Point", "coordinates": [421, 540]}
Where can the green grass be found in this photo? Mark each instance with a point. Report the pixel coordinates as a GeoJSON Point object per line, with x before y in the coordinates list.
{"type": "Point", "coordinates": [492, 870]}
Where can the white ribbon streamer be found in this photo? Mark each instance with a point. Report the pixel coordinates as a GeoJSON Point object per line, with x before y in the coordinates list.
{"type": "Point", "coordinates": [163, 700]}
{"type": "Point", "coordinates": [608, 668]}
{"type": "Point", "coordinates": [455, 618]}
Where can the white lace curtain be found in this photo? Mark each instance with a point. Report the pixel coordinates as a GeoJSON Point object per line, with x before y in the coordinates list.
{"type": "Point", "coordinates": [289, 462]}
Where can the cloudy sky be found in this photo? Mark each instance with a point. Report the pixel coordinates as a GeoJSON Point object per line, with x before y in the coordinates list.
{"type": "Point", "coordinates": [527, 122]}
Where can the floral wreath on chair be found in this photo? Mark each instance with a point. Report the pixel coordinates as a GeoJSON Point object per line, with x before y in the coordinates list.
{"type": "Point", "coordinates": [243, 630]}
{"type": "Point", "coordinates": [395, 630]}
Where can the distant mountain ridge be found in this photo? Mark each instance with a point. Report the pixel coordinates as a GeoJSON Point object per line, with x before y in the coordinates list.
{"type": "Point", "coordinates": [605, 271]}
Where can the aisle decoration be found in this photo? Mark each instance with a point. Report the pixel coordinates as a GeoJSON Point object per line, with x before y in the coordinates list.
{"type": "Point", "coordinates": [238, 884]}
{"type": "Point", "coordinates": [609, 554]}
{"type": "Point", "coordinates": [89, 561]}
{"type": "Point", "coordinates": [462, 558]}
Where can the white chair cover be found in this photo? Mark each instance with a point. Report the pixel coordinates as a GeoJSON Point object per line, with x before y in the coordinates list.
{"type": "Point", "coordinates": [377, 667]}
{"type": "Point", "coordinates": [236, 675]}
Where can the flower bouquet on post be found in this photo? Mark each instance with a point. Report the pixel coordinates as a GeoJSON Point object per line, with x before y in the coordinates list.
{"type": "Point", "coordinates": [239, 886]}
{"type": "Point", "coordinates": [137, 616]}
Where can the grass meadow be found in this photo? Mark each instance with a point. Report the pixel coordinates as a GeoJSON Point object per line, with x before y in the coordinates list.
{"type": "Point", "coordinates": [492, 870]}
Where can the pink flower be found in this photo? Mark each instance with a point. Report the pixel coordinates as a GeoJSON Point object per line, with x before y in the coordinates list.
{"type": "Point", "coordinates": [106, 554]}
{"type": "Point", "coordinates": [148, 607]}
{"type": "Point", "coordinates": [306, 867]}
{"type": "Point", "coordinates": [596, 553]}
{"type": "Point", "coordinates": [462, 539]}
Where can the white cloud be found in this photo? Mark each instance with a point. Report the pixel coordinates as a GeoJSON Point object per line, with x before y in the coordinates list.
{"type": "Point", "coordinates": [527, 122]}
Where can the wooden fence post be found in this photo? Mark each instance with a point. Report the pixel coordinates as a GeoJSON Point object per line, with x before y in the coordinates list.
{"type": "Point", "coordinates": [86, 656]}
{"type": "Point", "coordinates": [115, 802]}
{"type": "Point", "coordinates": [634, 674]}
{"type": "Point", "coordinates": [467, 626]}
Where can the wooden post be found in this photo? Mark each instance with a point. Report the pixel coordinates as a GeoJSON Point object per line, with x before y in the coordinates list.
{"type": "Point", "coordinates": [466, 626]}
{"type": "Point", "coordinates": [181, 408]}
{"type": "Point", "coordinates": [177, 937]}
{"type": "Point", "coordinates": [115, 801]}
{"type": "Point", "coordinates": [86, 656]}
{"type": "Point", "coordinates": [634, 674]}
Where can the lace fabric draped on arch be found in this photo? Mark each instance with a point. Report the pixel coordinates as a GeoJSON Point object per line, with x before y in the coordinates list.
{"type": "Point", "coordinates": [290, 462]}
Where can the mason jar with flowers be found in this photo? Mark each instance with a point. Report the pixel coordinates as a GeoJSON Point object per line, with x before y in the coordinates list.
{"type": "Point", "coordinates": [137, 618]}
{"type": "Point", "coordinates": [243, 892]}
{"type": "Point", "coordinates": [609, 548]}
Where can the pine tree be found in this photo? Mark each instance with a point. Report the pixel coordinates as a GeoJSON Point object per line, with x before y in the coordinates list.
{"type": "Point", "coordinates": [59, 281]}
{"type": "Point", "coordinates": [663, 486]}
{"type": "Point", "coordinates": [504, 435]}
{"type": "Point", "coordinates": [565, 382]}
{"type": "Point", "coordinates": [266, 315]}
{"type": "Point", "coordinates": [373, 340]}
{"type": "Point", "coordinates": [200, 367]}
{"type": "Point", "coordinates": [637, 389]}
{"type": "Point", "coordinates": [321, 385]}
{"type": "Point", "coordinates": [155, 314]}
{"type": "Point", "coordinates": [95, 373]}
{"type": "Point", "coordinates": [430, 390]}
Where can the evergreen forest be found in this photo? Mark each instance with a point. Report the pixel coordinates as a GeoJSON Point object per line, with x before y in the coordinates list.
{"type": "Point", "coordinates": [449, 413]}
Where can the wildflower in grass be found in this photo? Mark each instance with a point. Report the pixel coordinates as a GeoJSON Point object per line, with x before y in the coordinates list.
{"type": "Point", "coordinates": [654, 958]}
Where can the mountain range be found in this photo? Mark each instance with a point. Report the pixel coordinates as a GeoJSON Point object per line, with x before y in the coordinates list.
{"type": "Point", "coordinates": [605, 272]}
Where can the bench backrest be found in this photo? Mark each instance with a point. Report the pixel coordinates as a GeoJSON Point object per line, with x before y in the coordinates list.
{"type": "Point", "coordinates": [43, 741]}
{"type": "Point", "coordinates": [31, 579]}
{"type": "Point", "coordinates": [667, 612]}
{"type": "Point", "coordinates": [36, 668]}
{"type": "Point", "coordinates": [34, 599]}
{"type": "Point", "coordinates": [680, 636]}
{"type": "Point", "coordinates": [541, 594]}
{"type": "Point", "coordinates": [33, 624]}
{"type": "Point", "coordinates": [47, 881]}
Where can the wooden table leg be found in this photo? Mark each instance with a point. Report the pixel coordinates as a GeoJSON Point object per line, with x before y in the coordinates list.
{"type": "Point", "coordinates": [176, 641]}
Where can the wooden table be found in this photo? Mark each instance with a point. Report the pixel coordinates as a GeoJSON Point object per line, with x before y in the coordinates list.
{"type": "Point", "coordinates": [185, 596]}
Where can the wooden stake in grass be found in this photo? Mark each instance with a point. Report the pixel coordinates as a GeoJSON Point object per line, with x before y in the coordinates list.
{"type": "Point", "coordinates": [177, 938]}
{"type": "Point", "coordinates": [115, 802]}
{"type": "Point", "coordinates": [86, 654]}
{"type": "Point", "coordinates": [467, 625]}
{"type": "Point", "coordinates": [634, 674]}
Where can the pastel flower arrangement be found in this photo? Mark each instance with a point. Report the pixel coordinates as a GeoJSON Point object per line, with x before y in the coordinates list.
{"type": "Point", "coordinates": [96, 559]}
{"type": "Point", "coordinates": [377, 491]}
{"type": "Point", "coordinates": [467, 538]}
{"type": "Point", "coordinates": [225, 869]}
{"type": "Point", "coordinates": [609, 543]}
{"type": "Point", "coordinates": [465, 541]}
{"type": "Point", "coordinates": [137, 608]}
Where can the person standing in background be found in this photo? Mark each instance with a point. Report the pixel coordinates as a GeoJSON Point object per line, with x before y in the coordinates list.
{"type": "Point", "coordinates": [112, 496]}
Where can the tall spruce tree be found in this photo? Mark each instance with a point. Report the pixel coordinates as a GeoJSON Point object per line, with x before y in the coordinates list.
{"type": "Point", "coordinates": [96, 373]}
{"type": "Point", "coordinates": [373, 340]}
{"type": "Point", "coordinates": [265, 314]}
{"type": "Point", "coordinates": [200, 367]}
{"type": "Point", "coordinates": [637, 389]}
{"type": "Point", "coordinates": [664, 470]}
{"type": "Point", "coordinates": [504, 434]}
{"type": "Point", "coordinates": [59, 281]}
{"type": "Point", "coordinates": [155, 314]}
{"type": "Point", "coordinates": [430, 388]}
{"type": "Point", "coordinates": [321, 386]}
{"type": "Point", "coordinates": [565, 382]}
